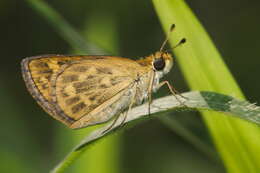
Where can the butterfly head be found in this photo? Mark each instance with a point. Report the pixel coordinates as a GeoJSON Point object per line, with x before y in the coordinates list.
{"type": "Point", "coordinates": [162, 62]}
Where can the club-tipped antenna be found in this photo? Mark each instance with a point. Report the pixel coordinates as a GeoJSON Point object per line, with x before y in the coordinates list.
{"type": "Point", "coordinates": [182, 41]}
{"type": "Point", "coordinates": [167, 37]}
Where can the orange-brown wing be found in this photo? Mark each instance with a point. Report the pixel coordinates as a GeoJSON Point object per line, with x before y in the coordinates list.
{"type": "Point", "coordinates": [68, 87]}
{"type": "Point", "coordinates": [81, 87]}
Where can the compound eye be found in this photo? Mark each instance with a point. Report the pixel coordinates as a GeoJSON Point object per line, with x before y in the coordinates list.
{"type": "Point", "coordinates": [159, 64]}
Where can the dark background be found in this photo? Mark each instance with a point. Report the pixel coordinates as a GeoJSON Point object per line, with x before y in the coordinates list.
{"type": "Point", "coordinates": [29, 137]}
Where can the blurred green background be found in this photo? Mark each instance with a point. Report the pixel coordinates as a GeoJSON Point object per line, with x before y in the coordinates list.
{"type": "Point", "coordinates": [31, 141]}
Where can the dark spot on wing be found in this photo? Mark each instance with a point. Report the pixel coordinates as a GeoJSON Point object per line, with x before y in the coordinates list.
{"type": "Point", "coordinates": [61, 63]}
{"type": "Point", "coordinates": [64, 94]}
{"type": "Point", "coordinates": [38, 80]}
{"type": "Point", "coordinates": [90, 76]}
{"type": "Point", "coordinates": [104, 70]}
{"type": "Point", "coordinates": [101, 100]}
{"type": "Point", "coordinates": [116, 80]}
{"type": "Point", "coordinates": [84, 86]}
{"type": "Point", "coordinates": [103, 86]}
{"type": "Point", "coordinates": [41, 64]}
{"type": "Point", "coordinates": [80, 69]}
{"type": "Point", "coordinates": [44, 71]}
{"type": "Point", "coordinates": [72, 100]}
{"type": "Point", "coordinates": [97, 57]}
{"type": "Point", "coordinates": [81, 90]}
{"type": "Point", "coordinates": [92, 106]}
{"type": "Point", "coordinates": [69, 78]}
{"type": "Point", "coordinates": [45, 86]}
{"type": "Point", "coordinates": [94, 97]}
{"type": "Point", "coordinates": [78, 107]}
{"type": "Point", "coordinates": [88, 93]}
{"type": "Point", "coordinates": [84, 89]}
{"type": "Point", "coordinates": [48, 77]}
{"type": "Point", "coordinates": [80, 84]}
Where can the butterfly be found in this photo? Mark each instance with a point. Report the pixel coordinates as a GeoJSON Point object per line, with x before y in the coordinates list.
{"type": "Point", "coordinates": [80, 91]}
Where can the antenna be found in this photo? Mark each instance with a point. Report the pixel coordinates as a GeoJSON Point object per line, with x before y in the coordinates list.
{"type": "Point", "coordinates": [182, 41]}
{"type": "Point", "coordinates": [167, 36]}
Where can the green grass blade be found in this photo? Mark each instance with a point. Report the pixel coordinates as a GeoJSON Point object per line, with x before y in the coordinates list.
{"type": "Point", "coordinates": [196, 100]}
{"type": "Point", "coordinates": [63, 28]}
{"type": "Point", "coordinates": [238, 142]}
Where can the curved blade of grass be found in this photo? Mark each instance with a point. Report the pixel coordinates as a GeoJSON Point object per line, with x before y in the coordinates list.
{"type": "Point", "coordinates": [196, 100]}
{"type": "Point", "coordinates": [238, 142]}
{"type": "Point", "coordinates": [63, 28]}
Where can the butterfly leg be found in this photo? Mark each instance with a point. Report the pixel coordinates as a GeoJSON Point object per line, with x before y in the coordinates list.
{"type": "Point", "coordinates": [113, 123]}
{"type": "Point", "coordinates": [149, 103]}
{"type": "Point", "coordinates": [129, 108]}
{"type": "Point", "coordinates": [123, 114]}
{"type": "Point", "coordinates": [173, 91]}
{"type": "Point", "coordinates": [150, 89]}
